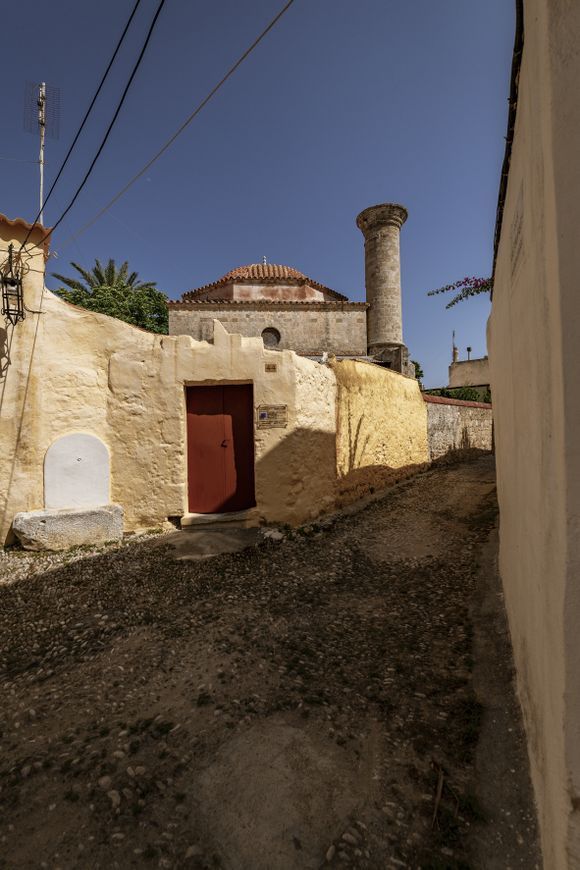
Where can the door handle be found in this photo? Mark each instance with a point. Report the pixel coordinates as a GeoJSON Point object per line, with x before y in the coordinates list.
{"type": "Point", "coordinates": [224, 443]}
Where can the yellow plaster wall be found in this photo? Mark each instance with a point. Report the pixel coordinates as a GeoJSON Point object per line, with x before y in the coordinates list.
{"type": "Point", "coordinates": [535, 360]}
{"type": "Point", "coordinates": [303, 463]}
{"type": "Point", "coordinates": [381, 428]}
{"type": "Point", "coordinates": [73, 370]}
{"type": "Point", "coordinates": [19, 386]}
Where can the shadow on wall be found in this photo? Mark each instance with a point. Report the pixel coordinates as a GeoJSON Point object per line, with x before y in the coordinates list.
{"type": "Point", "coordinates": [298, 481]}
{"type": "Point", "coordinates": [356, 445]}
{"type": "Point", "coordinates": [5, 342]}
{"type": "Point", "coordinates": [359, 470]}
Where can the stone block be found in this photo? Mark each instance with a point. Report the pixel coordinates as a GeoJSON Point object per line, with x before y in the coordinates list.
{"type": "Point", "coordinates": [61, 529]}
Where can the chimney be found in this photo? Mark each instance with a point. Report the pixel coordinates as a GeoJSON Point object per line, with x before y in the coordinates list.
{"type": "Point", "coordinates": [381, 226]}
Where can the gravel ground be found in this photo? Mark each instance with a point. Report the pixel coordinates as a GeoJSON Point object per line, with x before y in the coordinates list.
{"type": "Point", "coordinates": [304, 703]}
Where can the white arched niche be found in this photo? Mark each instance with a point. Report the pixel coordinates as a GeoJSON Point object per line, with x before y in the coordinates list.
{"type": "Point", "coordinates": [76, 472]}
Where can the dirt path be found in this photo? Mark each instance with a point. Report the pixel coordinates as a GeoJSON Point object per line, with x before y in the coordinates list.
{"type": "Point", "coordinates": [325, 701]}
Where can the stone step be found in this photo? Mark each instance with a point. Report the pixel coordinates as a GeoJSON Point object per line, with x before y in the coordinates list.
{"type": "Point", "coordinates": [236, 519]}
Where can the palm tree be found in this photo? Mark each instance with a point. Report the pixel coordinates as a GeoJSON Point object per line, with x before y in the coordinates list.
{"type": "Point", "coordinates": [118, 293]}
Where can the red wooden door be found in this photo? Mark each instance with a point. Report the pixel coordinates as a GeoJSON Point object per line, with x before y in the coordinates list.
{"type": "Point", "coordinates": [220, 448]}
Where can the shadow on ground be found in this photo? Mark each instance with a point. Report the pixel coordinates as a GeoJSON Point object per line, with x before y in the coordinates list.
{"type": "Point", "coordinates": [296, 705]}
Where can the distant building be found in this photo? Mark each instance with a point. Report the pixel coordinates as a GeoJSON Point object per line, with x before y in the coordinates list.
{"type": "Point", "coordinates": [469, 373]}
{"type": "Point", "coordinates": [290, 311]}
{"type": "Point", "coordinates": [280, 304]}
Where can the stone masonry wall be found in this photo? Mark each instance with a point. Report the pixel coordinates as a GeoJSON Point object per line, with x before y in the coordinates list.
{"type": "Point", "coordinates": [336, 328]}
{"type": "Point", "coordinates": [455, 426]}
{"type": "Point", "coordinates": [381, 226]}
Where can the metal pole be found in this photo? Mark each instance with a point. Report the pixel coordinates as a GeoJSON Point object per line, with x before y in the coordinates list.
{"type": "Point", "coordinates": [42, 128]}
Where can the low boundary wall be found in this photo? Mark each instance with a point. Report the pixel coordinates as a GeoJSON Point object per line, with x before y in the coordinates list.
{"type": "Point", "coordinates": [455, 426]}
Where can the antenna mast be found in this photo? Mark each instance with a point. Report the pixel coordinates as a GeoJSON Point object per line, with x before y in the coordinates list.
{"type": "Point", "coordinates": [42, 116]}
{"type": "Point", "coordinates": [42, 129]}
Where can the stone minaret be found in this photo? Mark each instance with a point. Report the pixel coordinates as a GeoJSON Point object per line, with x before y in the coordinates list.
{"type": "Point", "coordinates": [381, 226]}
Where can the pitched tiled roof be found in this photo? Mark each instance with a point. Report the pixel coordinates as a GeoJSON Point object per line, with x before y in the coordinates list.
{"type": "Point", "coordinates": [264, 270]}
{"type": "Point", "coordinates": [263, 273]}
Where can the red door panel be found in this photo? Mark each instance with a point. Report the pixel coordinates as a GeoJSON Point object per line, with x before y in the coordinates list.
{"type": "Point", "coordinates": [239, 464]}
{"type": "Point", "coordinates": [220, 448]}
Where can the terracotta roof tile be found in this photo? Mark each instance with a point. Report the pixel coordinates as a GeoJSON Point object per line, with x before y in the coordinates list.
{"type": "Point", "coordinates": [269, 273]}
{"type": "Point", "coordinates": [443, 400]}
{"type": "Point", "coordinates": [264, 270]}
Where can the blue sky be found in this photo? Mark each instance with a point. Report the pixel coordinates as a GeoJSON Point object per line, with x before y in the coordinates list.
{"type": "Point", "coordinates": [346, 103]}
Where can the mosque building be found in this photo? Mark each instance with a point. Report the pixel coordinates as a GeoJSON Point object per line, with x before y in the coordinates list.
{"type": "Point", "coordinates": [293, 312]}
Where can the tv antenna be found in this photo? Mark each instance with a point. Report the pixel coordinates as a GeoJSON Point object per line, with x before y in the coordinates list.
{"type": "Point", "coordinates": [42, 117]}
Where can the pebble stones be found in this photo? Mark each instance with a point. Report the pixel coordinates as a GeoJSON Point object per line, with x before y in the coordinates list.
{"type": "Point", "coordinates": [115, 798]}
{"type": "Point", "coordinates": [331, 852]}
{"type": "Point", "coordinates": [113, 650]}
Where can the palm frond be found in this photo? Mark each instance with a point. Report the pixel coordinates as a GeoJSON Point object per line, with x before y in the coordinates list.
{"type": "Point", "coordinates": [110, 274]}
{"type": "Point", "coordinates": [121, 277]}
{"type": "Point", "coordinates": [98, 274]}
{"type": "Point", "coordinates": [73, 283]}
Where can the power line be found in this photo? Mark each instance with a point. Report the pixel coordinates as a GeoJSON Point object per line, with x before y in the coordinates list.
{"type": "Point", "coordinates": [84, 121]}
{"type": "Point", "coordinates": [185, 124]}
{"type": "Point", "coordinates": [112, 123]}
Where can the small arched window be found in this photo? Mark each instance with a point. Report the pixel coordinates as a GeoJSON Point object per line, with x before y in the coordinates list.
{"type": "Point", "coordinates": [271, 337]}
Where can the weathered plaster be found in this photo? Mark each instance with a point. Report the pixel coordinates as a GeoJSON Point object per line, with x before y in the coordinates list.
{"type": "Point", "coordinates": [535, 359]}
{"type": "Point", "coordinates": [381, 428]}
{"type": "Point", "coordinates": [469, 373]}
{"type": "Point", "coordinates": [72, 370]}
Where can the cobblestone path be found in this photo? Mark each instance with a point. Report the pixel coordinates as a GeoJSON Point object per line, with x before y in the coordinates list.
{"type": "Point", "coordinates": [325, 701]}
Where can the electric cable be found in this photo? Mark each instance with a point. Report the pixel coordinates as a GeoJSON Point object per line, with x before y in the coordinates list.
{"type": "Point", "coordinates": [184, 125]}
{"type": "Point", "coordinates": [85, 119]}
{"type": "Point", "coordinates": [111, 125]}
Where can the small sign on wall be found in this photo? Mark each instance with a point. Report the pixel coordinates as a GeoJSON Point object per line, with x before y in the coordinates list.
{"type": "Point", "coordinates": [272, 416]}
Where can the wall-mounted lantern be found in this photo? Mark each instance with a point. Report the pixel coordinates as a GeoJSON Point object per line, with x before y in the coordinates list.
{"type": "Point", "coordinates": [12, 297]}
